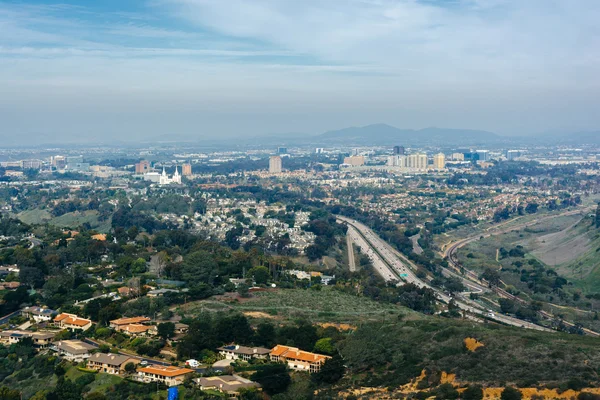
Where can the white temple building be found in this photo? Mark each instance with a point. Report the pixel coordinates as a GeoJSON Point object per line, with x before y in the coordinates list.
{"type": "Point", "coordinates": [165, 180]}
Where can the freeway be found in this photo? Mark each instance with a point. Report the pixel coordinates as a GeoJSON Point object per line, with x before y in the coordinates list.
{"type": "Point", "coordinates": [388, 263]}
{"type": "Point", "coordinates": [351, 261]}
{"type": "Point", "coordinates": [450, 254]}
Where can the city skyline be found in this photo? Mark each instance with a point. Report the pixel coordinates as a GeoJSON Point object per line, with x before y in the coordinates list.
{"type": "Point", "coordinates": [148, 69]}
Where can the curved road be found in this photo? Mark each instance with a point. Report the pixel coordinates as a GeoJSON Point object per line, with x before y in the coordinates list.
{"type": "Point", "coordinates": [392, 267]}
{"type": "Point", "coordinates": [450, 254]}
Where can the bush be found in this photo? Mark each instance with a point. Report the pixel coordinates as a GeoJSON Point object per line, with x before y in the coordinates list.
{"type": "Point", "coordinates": [474, 392]}
{"type": "Point", "coordinates": [510, 393]}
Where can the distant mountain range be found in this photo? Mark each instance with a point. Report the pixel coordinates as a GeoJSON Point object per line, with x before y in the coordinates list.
{"type": "Point", "coordinates": [387, 134]}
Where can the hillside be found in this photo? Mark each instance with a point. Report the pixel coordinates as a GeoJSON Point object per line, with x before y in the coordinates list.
{"type": "Point", "coordinates": [392, 353]}
{"type": "Point", "coordinates": [385, 134]}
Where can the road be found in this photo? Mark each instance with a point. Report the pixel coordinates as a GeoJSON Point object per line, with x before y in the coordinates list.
{"type": "Point", "coordinates": [351, 261]}
{"type": "Point", "coordinates": [394, 267]}
{"type": "Point", "coordinates": [450, 254]}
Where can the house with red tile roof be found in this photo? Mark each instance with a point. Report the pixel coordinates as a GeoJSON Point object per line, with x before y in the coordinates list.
{"type": "Point", "coordinates": [72, 321]}
{"type": "Point", "coordinates": [298, 360]}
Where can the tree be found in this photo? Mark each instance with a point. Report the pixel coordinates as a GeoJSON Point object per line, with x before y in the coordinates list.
{"type": "Point", "coordinates": [273, 378]}
{"type": "Point", "coordinates": [474, 392]}
{"type": "Point", "coordinates": [243, 290]}
{"type": "Point", "coordinates": [531, 208]}
{"type": "Point", "coordinates": [7, 393]}
{"type": "Point", "coordinates": [331, 371]}
{"type": "Point", "coordinates": [265, 334]}
{"type": "Point", "coordinates": [199, 267]}
{"type": "Point", "coordinates": [166, 330]}
{"type": "Point", "coordinates": [510, 393]}
{"type": "Point", "coordinates": [446, 392]}
{"type": "Point", "coordinates": [249, 394]}
{"type": "Point", "coordinates": [260, 274]}
{"type": "Point", "coordinates": [492, 276]}
{"type": "Point", "coordinates": [507, 306]}
{"type": "Point", "coordinates": [130, 367]}
{"type": "Point", "coordinates": [324, 346]}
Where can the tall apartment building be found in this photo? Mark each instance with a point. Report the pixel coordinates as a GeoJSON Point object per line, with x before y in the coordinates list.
{"type": "Point", "coordinates": [186, 169]}
{"type": "Point", "coordinates": [397, 161]}
{"type": "Point", "coordinates": [484, 155]}
{"type": "Point", "coordinates": [142, 167]}
{"type": "Point", "coordinates": [417, 161]}
{"type": "Point", "coordinates": [439, 161]}
{"type": "Point", "coordinates": [399, 150]}
{"type": "Point", "coordinates": [513, 154]}
{"type": "Point", "coordinates": [31, 164]}
{"type": "Point", "coordinates": [275, 165]}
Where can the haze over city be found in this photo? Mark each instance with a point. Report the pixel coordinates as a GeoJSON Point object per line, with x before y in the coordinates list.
{"type": "Point", "coordinates": [77, 71]}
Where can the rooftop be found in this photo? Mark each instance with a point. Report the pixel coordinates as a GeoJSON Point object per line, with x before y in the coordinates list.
{"type": "Point", "coordinates": [168, 371]}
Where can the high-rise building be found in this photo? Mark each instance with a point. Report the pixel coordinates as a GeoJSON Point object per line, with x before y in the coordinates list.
{"type": "Point", "coordinates": [275, 165]}
{"type": "Point", "coordinates": [282, 150]}
{"type": "Point", "coordinates": [397, 161]}
{"type": "Point", "coordinates": [399, 150]}
{"type": "Point", "coordinates": [59, 162]}
{"type": "Point", "coordinates": [484, 155]}
{"type": "Point", "coordinates": [31, 164]}
{"type": "Point", "coordinates": [186, 169]}
{"type": "Point", "coordinates": [355, 161]}
{"type": "Point", "coordinates": [319, 150]}
{"type": "Point", "coordinates": [458, 157]}
{"type": "Point", "coordinates": [142, 167]}
{"type": "Point", "coordinates": [513, 154]}
{"type": "Point", "coordinates": [439, 161]}
{"type": "Point", "coordinates": [417, 161]}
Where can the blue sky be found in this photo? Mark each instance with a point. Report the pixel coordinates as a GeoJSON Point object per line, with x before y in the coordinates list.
{"type": "Point", "coordinates": [215, 68]}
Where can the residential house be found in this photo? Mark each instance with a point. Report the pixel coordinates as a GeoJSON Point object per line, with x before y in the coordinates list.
{"type": "Point", "coordinates": [228, 384]}
{"type": "Point", "coordinates": [168, 375]}
{"type": "Point", "coordinates": [41, 340]}
{"type": "Point", "coordinates": [113, 364]}
{"type": "Point", "coordinates": [38, 314]}
{"type": "Point", "coordinates": [298, 360]}
{"type": "Point", "coordinates": [73, 350]}
{"type": "Point", "coordinates": [121, 323]}
{"type": "Point", "coordinates": [9, 285]}
{"type": "Point", "coordinates": [73, 322]}
{"type": "Point", "coordinates": [137, 329]}
{"type": "Point", "coordinates": [180, 328]}
{"type": "Point", "coordinates": [236, 352]}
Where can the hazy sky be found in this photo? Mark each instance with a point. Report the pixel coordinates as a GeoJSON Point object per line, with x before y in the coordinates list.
{"type": "Point", "coordinates": [126, 69]}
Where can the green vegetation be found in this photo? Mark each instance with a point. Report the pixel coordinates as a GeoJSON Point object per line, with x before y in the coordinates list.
{"type": "Point", "coordinates": [325, 305]}
{"type": "Point", "coordinates": [394, 352]}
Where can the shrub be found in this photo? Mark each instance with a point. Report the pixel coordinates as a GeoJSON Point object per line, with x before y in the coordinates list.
{"type": "Point", "coordinates": [510, 393]}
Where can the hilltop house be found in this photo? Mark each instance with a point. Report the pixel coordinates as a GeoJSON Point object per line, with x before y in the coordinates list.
{"type": "Point", "coordinates": [41, 340]}
{"type": "Point", "coordinates": [38, 314]}
{"type": "Point", "coordinates": [298, 360]}
{"type": "Point", "coordinates": [73, 350]}
{"type": "Point", "coordinates": [72, 322]}
{"type": "Point", "coordinates": [168, 375]}
{"type": "Point", "coordinates": [113, 364]}
{"type": "Point", "coordinates": [236, 352]}
{"type": "Point", "coordinates": [228, 384]}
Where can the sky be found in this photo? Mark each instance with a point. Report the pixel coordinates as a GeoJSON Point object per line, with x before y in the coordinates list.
{"type": "Point", "coordinates": [131, 70]}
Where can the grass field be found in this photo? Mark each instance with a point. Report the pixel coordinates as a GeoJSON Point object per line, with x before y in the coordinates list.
{"type": "Point", "coordinates": [326, 305]}
{"type": "Point", "coordinates": [69, 220]}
